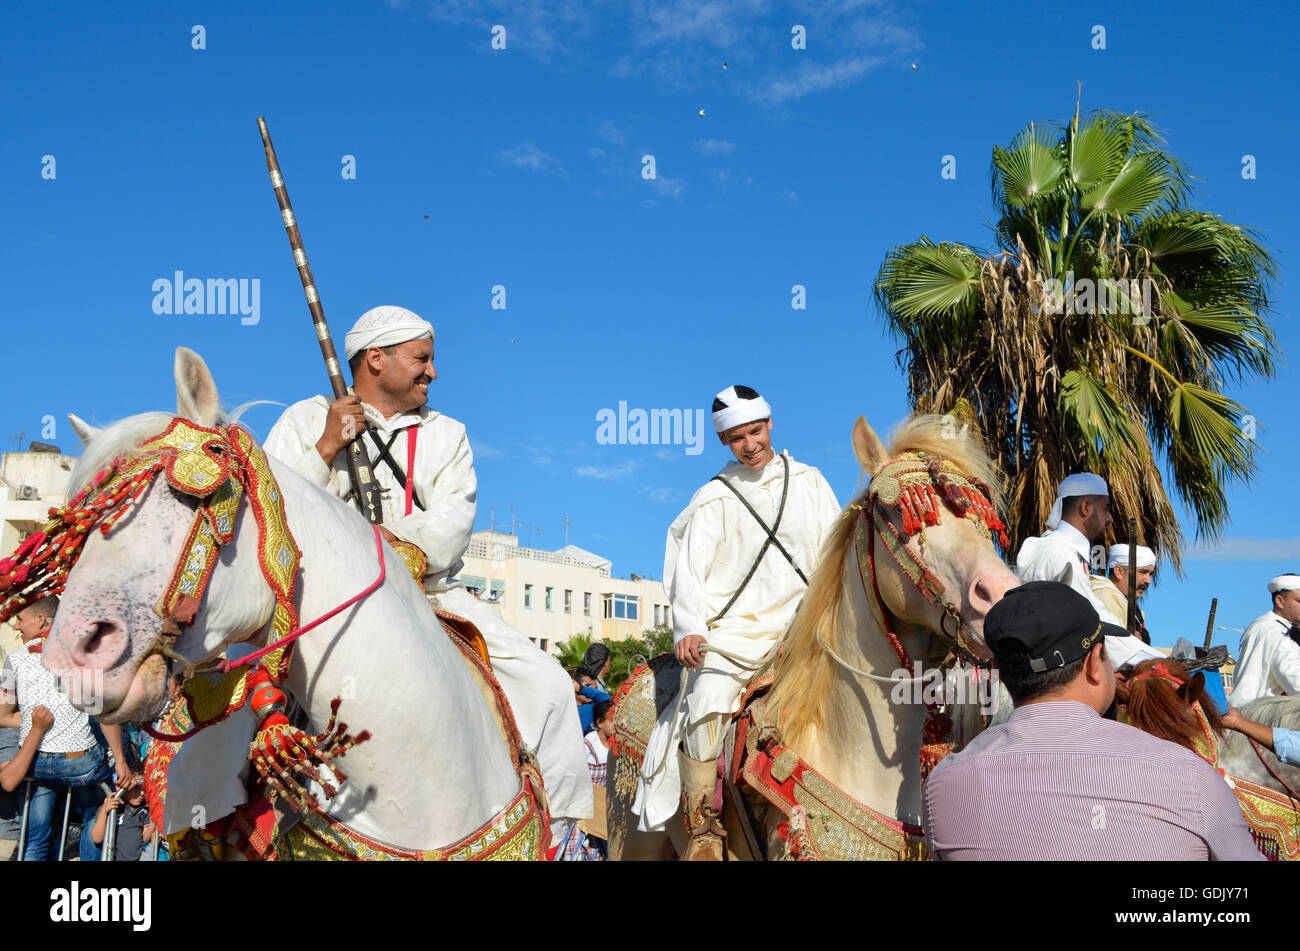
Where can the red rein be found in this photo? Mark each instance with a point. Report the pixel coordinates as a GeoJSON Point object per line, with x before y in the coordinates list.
{"type": "Point", "coordinates": [226, 666]}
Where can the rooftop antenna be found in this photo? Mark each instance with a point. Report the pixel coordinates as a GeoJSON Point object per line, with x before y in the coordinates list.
{"type": "Point", "coordinates": [567, 522]}
{"type": "Point", "coordinates": [19, 437]}
{"type": "Point", "coordinates": [516, 525]}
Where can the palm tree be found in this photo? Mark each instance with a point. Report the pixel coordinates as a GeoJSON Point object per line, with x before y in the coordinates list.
{"type": "Point", "coordinates": [1099, 334]}
{"type": "Point", "coordinates": [570, 652]}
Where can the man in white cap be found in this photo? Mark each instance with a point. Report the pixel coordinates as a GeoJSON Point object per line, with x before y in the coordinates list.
{"type": "Point", "coordinates": [390, 352]}
{"type": "Point", "coordinates": [1113, 589]}
{"type": "Point", "coordinates": [1268, 661]}
{"type": "Point", "coordinates": [1077, 522]}
{"type": "Point", "coordinates": [736, 566]}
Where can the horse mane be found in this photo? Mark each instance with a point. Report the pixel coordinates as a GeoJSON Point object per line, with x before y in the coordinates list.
{"type": "Point", "coordinates": [1161, 707]}
{"type": "Point", "coordinates": [804, 672]}
{"type": "Point", "coordinates": [124, 436]}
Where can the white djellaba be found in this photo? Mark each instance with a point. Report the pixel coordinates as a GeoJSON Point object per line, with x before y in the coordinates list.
{"type": "Point", "coordinates": [1268, 661]}
{"type": "Point", "coordinates": [710, 549]}
{"type": "Point", "coordinates": [538, 688]}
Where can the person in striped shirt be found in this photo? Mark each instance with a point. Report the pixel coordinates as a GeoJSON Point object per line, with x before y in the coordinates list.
{"type": "Point", "coordinates": [1061, 781]}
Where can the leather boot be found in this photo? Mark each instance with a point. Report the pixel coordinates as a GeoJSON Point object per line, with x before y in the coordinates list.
{"type": "Point", "coordinates": [700, 792]}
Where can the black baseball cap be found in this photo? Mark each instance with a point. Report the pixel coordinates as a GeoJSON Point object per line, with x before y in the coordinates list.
{"type": "Point", "coordinates": [1056, 625]}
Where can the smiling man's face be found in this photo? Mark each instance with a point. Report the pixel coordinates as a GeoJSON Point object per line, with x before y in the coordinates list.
{"type": "Point", "coordinates": [750, 443]}
{"type": "Point", "coordinates": [406, 374]}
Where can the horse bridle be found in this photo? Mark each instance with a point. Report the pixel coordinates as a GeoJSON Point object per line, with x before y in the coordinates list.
{"type": "Point", "coordinates": [919, 486]}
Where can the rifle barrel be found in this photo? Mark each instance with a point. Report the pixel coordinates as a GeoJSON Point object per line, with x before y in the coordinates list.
{"type": "Point", "coordinates": [365, 489]}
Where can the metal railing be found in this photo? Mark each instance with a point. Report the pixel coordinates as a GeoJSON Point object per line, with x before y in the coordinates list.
{"type": "Point", "coordinates": [107, 851]}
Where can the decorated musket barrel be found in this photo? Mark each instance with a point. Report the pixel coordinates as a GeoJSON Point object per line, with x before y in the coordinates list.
{"type": "Point", "coordinates": [365, 488]}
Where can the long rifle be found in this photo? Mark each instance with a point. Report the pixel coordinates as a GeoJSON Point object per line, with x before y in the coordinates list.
{"type": "Point", "coordinates": [1132, 576]}
{"type": "Point", "coordinates": [365, 489]}
{"type": "Point", "coordinates": [1209, 625]}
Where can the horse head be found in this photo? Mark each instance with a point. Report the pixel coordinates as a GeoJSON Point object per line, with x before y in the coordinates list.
{"type": "Point", "coordinates": [112, 632]}
{"type": "Point", "coordinates": [924, 530]}
{"type": "Point", "coordinates": [1165, 699]}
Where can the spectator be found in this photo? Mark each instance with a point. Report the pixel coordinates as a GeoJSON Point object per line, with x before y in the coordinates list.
{"type": "Point", "coordinates": [15, 761]}
{"type": "Point", "coordinates": [68, 755]}
{"type": "Point", "coordinates": [134, 830]}
{"type": "Point", "coordinates": [595, 664]}
{"type": "Point", "coordinates": [1060, 781]}
{"type": "Point", "coordinates": [598, 739]}
{"type": "Point", "coordinates": [587, 695]}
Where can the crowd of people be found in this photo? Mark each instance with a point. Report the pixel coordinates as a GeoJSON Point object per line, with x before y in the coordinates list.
{"type": "Point", "coordinates": [585, 840]}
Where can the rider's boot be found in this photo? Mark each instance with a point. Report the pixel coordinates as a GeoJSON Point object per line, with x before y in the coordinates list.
{"type": "Point", "coordinates": [701, 809]}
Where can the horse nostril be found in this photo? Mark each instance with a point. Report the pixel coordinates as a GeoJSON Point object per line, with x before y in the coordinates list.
{"type": "Point", "coordinates": [97, 634]}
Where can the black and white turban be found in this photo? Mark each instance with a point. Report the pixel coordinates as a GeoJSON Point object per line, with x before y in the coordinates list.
{"type": "Point", "coordinates": [737, 405]}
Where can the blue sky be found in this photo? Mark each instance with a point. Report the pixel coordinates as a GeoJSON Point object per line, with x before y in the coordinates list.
{"type": "Point", "coordinates": [523, 168]}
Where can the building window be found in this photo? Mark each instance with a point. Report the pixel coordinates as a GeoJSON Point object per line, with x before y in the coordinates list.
{"type": "Point", "coordinates": [496, 591]}
{"type": "Point", "coordinates": [622, 607]}
{"type": "Point", "coordinates": [668, 621]}
{"type": "Point", "coordinates": [528, 596]}
{"type": "Point", "coordinates": [568, 601]}
{"type": "Point", "coordinates": [586, 603]}
{"type": "Point", "coordinates": [550, 594]}
{"type": "Point", "coordinates": [543, 644]}
{"type": "Point", "coordinates": [656, 615]}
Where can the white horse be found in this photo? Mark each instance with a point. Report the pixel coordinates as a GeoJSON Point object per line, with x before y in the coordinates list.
{"type": "Point", "coordinates": [436, 768]}
{"type": "Point", "coordinates": [834, 695]}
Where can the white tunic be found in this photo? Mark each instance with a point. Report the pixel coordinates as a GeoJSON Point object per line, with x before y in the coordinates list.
{"type": "Point", "coordinates": [711, 547]}
{"type": "Point", "coordinates": [445, 481]}
{"type": "Point", "coordinates": [1062, 555]}
{"type": "Point", "coordinates": [538, 688]}
{"type": "Point", "coordinates": [1268, 662]}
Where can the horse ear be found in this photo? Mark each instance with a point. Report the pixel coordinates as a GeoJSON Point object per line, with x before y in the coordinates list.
{"type": "Point", "coordinates": [196, 391]}
{"type": "Point", "coordinates": [85, 432]}
{"type": "Point", "coordinates": [868, 447]}
{"type": "Point", "coordinates": [1194, 689]}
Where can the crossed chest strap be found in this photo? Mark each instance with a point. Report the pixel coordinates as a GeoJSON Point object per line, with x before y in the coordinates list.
{"type": "Point", "coordinates": [771, 540]}
{"type": "Point", "coordinates": [386, 456]}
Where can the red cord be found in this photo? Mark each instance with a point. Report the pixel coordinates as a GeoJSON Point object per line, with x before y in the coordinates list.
{"type": "Point", "coordinates": [227, 666]}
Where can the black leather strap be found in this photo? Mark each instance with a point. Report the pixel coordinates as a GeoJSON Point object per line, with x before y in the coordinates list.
{"type": "Point", "coordinates": [386, 455]}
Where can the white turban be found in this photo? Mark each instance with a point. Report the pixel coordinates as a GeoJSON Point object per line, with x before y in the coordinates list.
{"type": "Point", "coordinates": [385, 327]}
{"type": "Point", "coordinates": [1081, 483]}
{"type": "Point", "coordinates": [1284, 583]}
{"type": "Point", "coordinates": [1146, 558]}
{"type": "Point", "coordinates": [737, 410]}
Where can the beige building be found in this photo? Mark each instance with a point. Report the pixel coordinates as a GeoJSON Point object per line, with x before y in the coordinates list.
{"type": "Point", "coordinates": [554, 595]}
{"type": "Point", "coordinates": [30, 482]}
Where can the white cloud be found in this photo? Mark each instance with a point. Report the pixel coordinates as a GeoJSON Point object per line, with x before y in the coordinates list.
{"type": "Point", "coordinates": [482, 450]}
{"type": "Point", "coordinates": [661, 494]}
{"type": "Point", "coordinates": [1246, 549]}
{"type": "Point", "coordinates": [810, 79]}
{"type": "Point", "coordinates": [608, 473]}
{"type": "Point", "coordinates": [530, 157]}
{"type": "Point", "coordinates": [611, 133]}
{"type": "Point", "coordinates": [668, 187]}
{"type": "Point", "coordinates": [713, 146]}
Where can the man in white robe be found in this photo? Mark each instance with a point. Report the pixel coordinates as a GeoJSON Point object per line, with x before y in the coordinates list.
{"type": "Point", "coordinates": [1113, 589]}
{"type": "Point", "coordinates": [1268, 660]}
{"type": "Point", "coordinates": [1078, 521]}
{"type": "Point", "coordinates": [733, 591]}
{"type": "Point", "coordinates": [390, 350]}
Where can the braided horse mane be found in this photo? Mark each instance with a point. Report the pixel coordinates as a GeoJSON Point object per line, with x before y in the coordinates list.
{"type": "Point", "coordinates": [804, 672]}
{"type": "Point", "coordinates": [1156, 704]}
